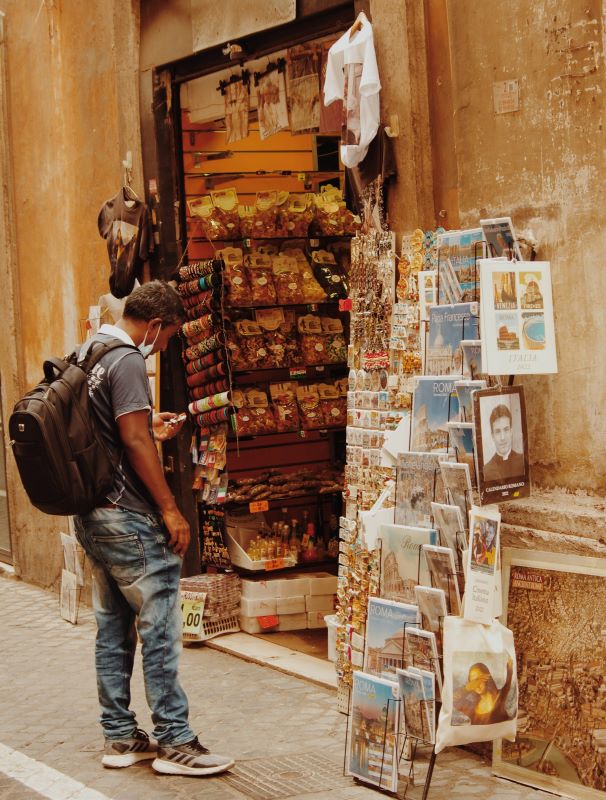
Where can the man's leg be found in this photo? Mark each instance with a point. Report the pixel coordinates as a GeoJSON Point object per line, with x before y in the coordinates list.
{"type": "Point", "coordinates": [155, 598]}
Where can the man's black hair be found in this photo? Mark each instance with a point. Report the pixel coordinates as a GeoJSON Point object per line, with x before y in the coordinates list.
{"type": "Point", "coordinates": [155, 299]}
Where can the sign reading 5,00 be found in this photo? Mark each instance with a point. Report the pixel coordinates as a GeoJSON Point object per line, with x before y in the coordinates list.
{"type": "Point", "coordinates": [192, 612]}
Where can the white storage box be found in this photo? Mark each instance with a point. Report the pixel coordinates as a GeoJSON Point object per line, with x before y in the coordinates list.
{"type": "Point", "coordinates": [332, 623]}
{"type": "Point", "coordinates": [258, 607]}
{"type": "Point", "coordinates": [320, 602]}
{"type": "Point", "coordinates": [290, 605]}
{"type": "Point", "coordinates": [294, 585]}
{"type": "Point", "coordinates": [322, 583]}
{"type": "Point", "coordinates": [252, 625]}
{"type": "Point", "coordinates": [315, 619]}
{"type": "Point", "coordinates": [258, 590]}
{"type": "Point", "coordinates": [293, 622]}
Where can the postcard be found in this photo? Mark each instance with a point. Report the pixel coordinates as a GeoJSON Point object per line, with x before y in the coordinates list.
{"type": "Point", "coordinates": [422, 652]}
{"type": "Point", "coordinates": [429, 694]}
{"type": "Point", "coordinates": [465, 390]}
{"type": "Point", "coordinates": [432, 606]}
{"type": "Point", "coordinates": [434, 403]}
{"type": "Point", "coordinates": [403, 563]}
{"type": "Point", "coordinates": [448, 325]}
{"type": "Point", "coordinates": [484, 525]}
{"type": "Point", "coordinates": [518, 332]}
{"type": "Point", "coordinates": [457, 482]}
{"type": "Point", "coordinates": [413, 712]}
{"type": "Point", "coordinates": [418, 484]}
{"type": "Point", "coordinates": [450, 524]}
{"type": "Point", "coordinates": [385, 627]}
{"type": "Point", "coordinates": [472, 359]}
{"type": "Point", "coordinates": [373, 731]}
{"type": "Point", "coordinates": [462, 442]}
{"type": "Point", "coordinates": [500, 238]}
{"type": "Point", "coordinates": [428, 292]}
{"type": "Point", "coordinates": [501, 444]}
{"type": "Point", "coordinates": [443, 571]}
{"type": "Point", "coordinates": [459, 274]}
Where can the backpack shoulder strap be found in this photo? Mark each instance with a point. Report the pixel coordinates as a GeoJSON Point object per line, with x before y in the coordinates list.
{"type": "Point", "coordinates": [95, 354]}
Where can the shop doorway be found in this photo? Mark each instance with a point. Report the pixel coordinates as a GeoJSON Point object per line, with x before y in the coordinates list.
{"type": "Point", "coordinates": [5, 539]}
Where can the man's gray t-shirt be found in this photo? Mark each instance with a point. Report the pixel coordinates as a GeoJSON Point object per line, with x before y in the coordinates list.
{"type": "Point", "coordinates": [118, 385]}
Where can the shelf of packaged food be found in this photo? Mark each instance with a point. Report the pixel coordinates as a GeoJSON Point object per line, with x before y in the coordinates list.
{"type": "Point", "coordinates": [319, 237]}
{"type": "Point", "coordinates": [273, 503]}
{"type": "Point", "coordinates": [280, 374]}
{"type": "Point", "coordinates": [307, 305]}
{"type": "Point", "coordinates": [301, 433]}
{"type": "Point", "coordinates": [266, 173]}
{"type": "Point", "coordinates": [322, 565]}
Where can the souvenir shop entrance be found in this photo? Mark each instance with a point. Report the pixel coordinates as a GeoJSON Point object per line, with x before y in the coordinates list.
{"type": "Point", "coordinates": [262, 260]}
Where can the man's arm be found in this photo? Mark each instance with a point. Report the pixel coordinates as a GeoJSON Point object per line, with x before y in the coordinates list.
{"type": "Point", "coordinates": [143, 457]}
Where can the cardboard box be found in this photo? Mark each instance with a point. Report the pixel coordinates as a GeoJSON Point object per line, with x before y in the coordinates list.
{"type": "Point", "coordinates": [258, 590]}
{"type": "Point", "coordinates": [320, 602]}
{"type": "Point", "coordinates": [315, 619]}
{"type": "Point", "coordinates": [322, 583]}
{"type": "Point", "coordinates": [290, 605]}
{"type": "Point", "coordinates": [293, 585]}
{"type": "Point", "coordinates": [293, 622]}
{"type": "Point", "coordinates": [258, 607]}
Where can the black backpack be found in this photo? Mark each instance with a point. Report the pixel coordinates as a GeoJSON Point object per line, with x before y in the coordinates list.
{"type": "Point", "coordinates": [63, 461]}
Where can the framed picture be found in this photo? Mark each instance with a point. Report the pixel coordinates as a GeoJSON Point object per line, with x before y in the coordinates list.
{"type": "Point", "coordinates": [501, 444]}
{"type": "Point", "coordinates": [555, 605]}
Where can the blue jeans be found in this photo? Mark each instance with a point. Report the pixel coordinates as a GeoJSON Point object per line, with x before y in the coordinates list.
{"type": "Point", "coordinates": [136, 575]}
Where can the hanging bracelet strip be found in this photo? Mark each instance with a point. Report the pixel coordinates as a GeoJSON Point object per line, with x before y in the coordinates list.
{"type": "Point", "coordinates": [207, 346]}
{"type": "Point", "coordinates": [213, 417]}
{"type": "Point", "coordinates": [206, 375]}
{"type": "Point", "coordinates": [198, 269]}
{"type": "Point", "coordinates": [200, 364]}
{"type": "Point", "coordinates": [198, 299]}
{"type": "Point", "coordinates": [202, 284]}
{"type": "Point", "coordinates": [202, 325]}
{"type": "Point", "coordinates": [209, 403]}
{"type": "Point", "coordinates": [215, 387]}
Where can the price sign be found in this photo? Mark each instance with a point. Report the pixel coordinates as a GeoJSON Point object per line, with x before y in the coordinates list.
{"type": "Point", "coordinates": [268, 622]}
{"type": "Point", "coordinates": [297, 372]}
{"type": "Point", "coordinates": [258, 505]}
{"type": "Point", "coordinates": [274, 563]}
{"type": "Point", "coordinates": [192, 613]}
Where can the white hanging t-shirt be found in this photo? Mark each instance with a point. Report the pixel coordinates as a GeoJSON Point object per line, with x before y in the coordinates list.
{"type": "Point", "coordinates": [352, 76]}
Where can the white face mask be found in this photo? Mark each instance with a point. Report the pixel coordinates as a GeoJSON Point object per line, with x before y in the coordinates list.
{"type": "Point", "coordinates": [146, 349]}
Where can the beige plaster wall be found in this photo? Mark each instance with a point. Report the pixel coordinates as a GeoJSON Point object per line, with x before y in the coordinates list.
{"type": "Point", "coordinates": [544, 165]}
{"type": "Point", "coordinates": [73, 105]}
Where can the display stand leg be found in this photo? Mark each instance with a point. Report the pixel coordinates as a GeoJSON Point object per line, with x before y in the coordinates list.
{"type": "Point", "coordinates": [432, 762]}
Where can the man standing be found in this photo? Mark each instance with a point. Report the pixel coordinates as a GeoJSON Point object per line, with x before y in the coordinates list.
{"type": "Point", "coordinates": [506, 462]}
{"type": "Point", "coordinates": [135, 543]}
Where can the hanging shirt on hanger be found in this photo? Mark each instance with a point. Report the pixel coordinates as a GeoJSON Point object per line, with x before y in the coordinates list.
{"type": "Point", "coordinates": [352, 75]}
{"type": "Point", "coordinates": [125, 223]}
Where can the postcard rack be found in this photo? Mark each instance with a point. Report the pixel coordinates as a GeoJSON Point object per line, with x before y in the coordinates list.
{"type": "Point", "coordinates": [407, 744]}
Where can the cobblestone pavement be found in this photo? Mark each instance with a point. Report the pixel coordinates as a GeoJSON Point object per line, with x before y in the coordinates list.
{"type": "Point", "coordinates": [277, 727]}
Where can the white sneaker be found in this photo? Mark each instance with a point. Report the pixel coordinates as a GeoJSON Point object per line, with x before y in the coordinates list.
{"type": "Point", "coordinates": [190, 758]}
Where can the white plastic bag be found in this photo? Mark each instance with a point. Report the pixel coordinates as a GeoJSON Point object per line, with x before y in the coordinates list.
{"type": "Point", "coordinates": [480, 690]}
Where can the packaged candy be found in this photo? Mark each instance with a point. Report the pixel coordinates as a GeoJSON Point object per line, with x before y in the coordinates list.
{"type": "Point", "coordinates": [336, 345]}
{"type": "Point", "coordinates": [226, 209]}
{"type": "Point", "coordinates": [328, 275]}
{"type": "Point", "coordinates": [247, 221]}
{"type": "Point", "coordinates": [333, 407]}
{"type": "Point", "coordinates": [265, 216]}
{"type": "Point", "coordinates": [288, 330]}
{"type": "Point", "coordinates": [212, 222]}
{"type": "Point", "coordinates": [236, 278]}
{"type": "Point", "coordinates": [270, 321]}
{"type": "Point", "coordinates": [255, 416]}
{"type": "Point", "coordinates": [255, 353]}
{"type": "Point", "coordinates": [262, 289]}
{"type": "Point", "coordinates": [286, 412]}
{"type": "Point", "coordinates": [287, 280]}
{"type": "Point", "coordinates": [299, 214]}
{"type": "Point", "coordinates": [309, 407]}
{"type": "Point", "coordinates": [312, 291]}
{"type": "Point", "coordinates": [312, 339]}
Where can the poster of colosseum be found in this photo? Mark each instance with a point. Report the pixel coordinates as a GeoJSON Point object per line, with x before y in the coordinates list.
{"type": "Point", "coordinates": [556, 608]}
